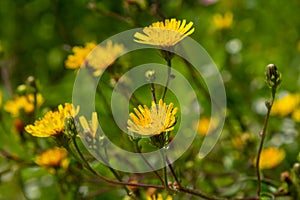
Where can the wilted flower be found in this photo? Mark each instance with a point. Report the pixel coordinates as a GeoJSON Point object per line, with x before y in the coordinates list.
{"type": "Point", "coordinates": [159, 118]}
{"type": "Point", "coordinates": [23, 103]}
{"type": "Point", "coordinates": [53, 122]}
{"type": "Point", "coordinates": [270, 157]}
{"type": "Point", "coordinates": [165, 34]}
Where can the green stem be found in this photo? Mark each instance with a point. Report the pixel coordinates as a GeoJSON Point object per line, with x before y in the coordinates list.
{"type": "Point", "coordinates": [168, 77]}
{"type": "Point", "coordinates": [152, 88]}
{"type": "Point", "coordinates": [173, 172]}
{"type": "Point", "coordinates": [163, 155]}
{"type": "Point", "coordinates": [200, 194]}
{"type": "Point", "coordinates": [261, 144]}
{"type": "Point", "coordinates": [138, 149]}
{"type": "Point", "coordinates": [117, 176]}
{"type": "Point", "coordinates": [87, 165]}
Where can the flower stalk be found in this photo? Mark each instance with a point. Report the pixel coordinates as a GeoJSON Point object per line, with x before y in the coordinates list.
{"type": "Point", "coordinates": [273, 79]}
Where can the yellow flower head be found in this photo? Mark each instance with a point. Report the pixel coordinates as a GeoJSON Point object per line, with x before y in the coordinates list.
{"type": "Point", "coordinates": [223, 22]}
{"type": "Point", "coordinates": [239, 142]}
{"type": "Point", "coordinates": [159, 197]}
{"type": "Point", "coordinates": [165, 34]}
{"type": "Point", "coordinates": [159, 118]}
{"type": "Point", "coordinates": [79, 55]}
{"type": "Point", "coordinates": [91, 127]}
{"type": "Point", "coordinates": [203, 125]}
{"type": "Point", "coordinates": [270, 157]}
{"type": "Point", "coordinates": [53, 122]}
{"type": "Point", "coordinates": [296, 115]}
{"type": "Point", "coordinates": [22, 103]}
{"type": "Point", "coordinates": [102, 57]}
{"type": "Point", "coordinates": [53, 158]}
{"type": "Point", "coordinates": [286, 105]}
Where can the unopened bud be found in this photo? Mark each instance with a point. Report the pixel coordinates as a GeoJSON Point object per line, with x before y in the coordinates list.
{"type": "Point", "coordinates": [268, 104]}
{"type": "Point", "coordinates": [70, 128]}
{"type": "Point", "coordinates": [31, 81]}
{"type": "Point", "coordinates": [22, 89]}
{"type": "Point", "coordinates": [273, 77]}
{"type": "Point", "coordinates": [296, 168]}
{"type": "Point", "coordinates": [150, 75]}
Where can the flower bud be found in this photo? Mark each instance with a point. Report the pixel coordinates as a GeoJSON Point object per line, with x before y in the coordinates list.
{"type": "Point", "coordinates": [150, 75]}
{"type": "Point", "coordinates": [273, 77]}
{"type": "Point", "coordinates": [22, 89]}
{"type": "Point", "coordinates": [70, 128]}
{"type": "Point", "coordinates": [296, 169]}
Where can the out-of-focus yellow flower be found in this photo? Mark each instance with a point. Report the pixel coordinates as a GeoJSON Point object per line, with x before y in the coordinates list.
{"type": "Point", "coordinates": [22, 103]}
{"type": "Point", "coordinates": [103, 56]}
{"type": "Point", "coordinates": [203, 125]}
{"type": "Point", "coordinates": [53, 122]}
{"type": "Point", "coordinates": [240, 141]}
{"type": "Point", "coordinates": [270, 157]}
{"type": "Point", "coordinates": [221, 22]}
{"type": "Point", "coordinates": [286, 105]}
{"type": "Point", "coordinates": [79, 55]}
{"type": "Point", "coordinates": [296, 115]}
{"type": "Point", "coordinates": [159, 118]}
{"type": "Point", "coordinates": [159, 197]}
{"type": "Point", "coordinates": [56, 157]}
{"type": "Point", "coordinates": [91, 127]}
{"type": "Point", "coordinates": [165, 34]}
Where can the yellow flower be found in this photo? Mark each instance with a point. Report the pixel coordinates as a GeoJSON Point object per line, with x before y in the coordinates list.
{"type": "Point", "coordinates": [22, 103]}
{"type": "Point", "coordinates": [79, 55]}
{"type": "Point", "coordinates": [203, 125]}
{"type": "Point", "coordinates": [286, 105]}
{"type": "Point", "coordinates": [159, 197]}
{"type": "Point", "coordinates": [53, 122]}
{"type": "Point", "coordinates": [102, 57]}
{"type": "Point", "coordinates": [53, 158]}
{"type": "Point", "coordinates": [91, 127]}
{"type": "Point", "coordinates": [296, 115]}
{"type": "Point", "coordinates": [223, 22]}
{"type": "Point", "coordinates": [165, 34]}
{"type": "Point", "coordinates": [159, 118]}
{"type": "Point", "coordinates": [240, 141]}
{"type": "Point", "coordinates": [270, 157]}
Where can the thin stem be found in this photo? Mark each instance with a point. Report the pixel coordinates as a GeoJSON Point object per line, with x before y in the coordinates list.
{"type": "Point", "coordinates": [168, 78]}
{"type": "Point", "coordinates": [113, 171]}
{"type": "Point", "coordinates": [163, 155]}
{"type": "Point", "coordinates": [108, 13]}
{"type": "Point", "coordinates": [152, 88]}
{"type": "Point", "coordinates": [261, 144]}
{"type": "Point", "coordinates": [138, 149]}
{"type": "Point", "coordinates": [173, 172]}
{"type": "Point", "coordinates": [200, 194]}
{"type": "Point", "coordinates": [87, 165]}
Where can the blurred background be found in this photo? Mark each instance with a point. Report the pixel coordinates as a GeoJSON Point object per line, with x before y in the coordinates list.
{"type": "Point", "coordinates": [241, 36]}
